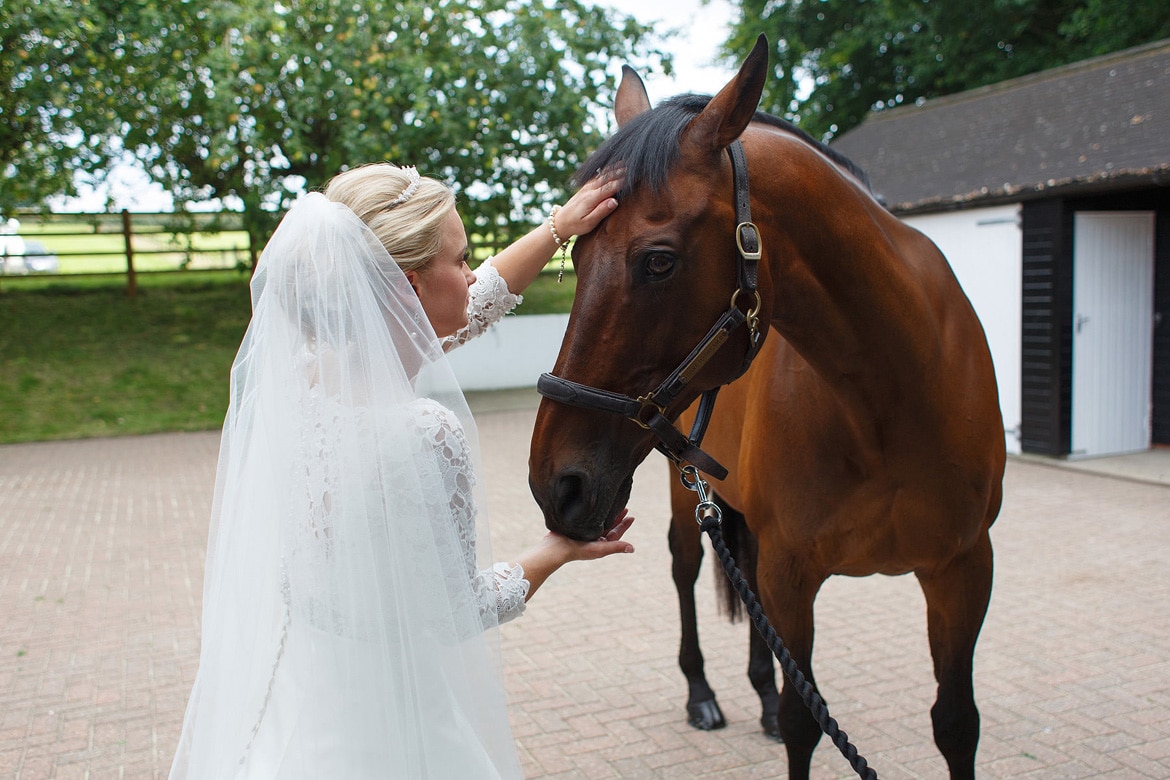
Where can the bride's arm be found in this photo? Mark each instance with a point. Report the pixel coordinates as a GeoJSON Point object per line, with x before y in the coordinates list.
{"type": "Point", "coordinates": [503, 590]}
{"type": "Point", "coordinates": [488, 301]}
{"type": "Point", "coordinates": [514, 583]}
{"type": "Point", "coordinates": [554, 551]}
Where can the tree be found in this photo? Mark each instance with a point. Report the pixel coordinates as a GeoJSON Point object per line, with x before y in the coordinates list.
{"type": "Point", "coordinates": [45, 140]}
{"type": "Point", "coordinates": [836, 60]}
{"type": "Point", "coordinates": [255, 100]}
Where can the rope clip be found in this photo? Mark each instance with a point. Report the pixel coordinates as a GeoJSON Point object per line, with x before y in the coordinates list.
{"type": "Point", "coordinates": [707, 509]}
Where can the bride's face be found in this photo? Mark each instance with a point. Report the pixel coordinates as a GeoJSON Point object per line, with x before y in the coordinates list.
{"type": "Point", "coordinates": [442, 284]}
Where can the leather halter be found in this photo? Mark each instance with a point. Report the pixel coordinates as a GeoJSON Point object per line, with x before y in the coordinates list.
{"type": "Point", "coordinates": [649, 411]}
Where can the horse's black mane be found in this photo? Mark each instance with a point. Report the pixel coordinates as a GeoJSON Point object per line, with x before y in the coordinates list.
{"type": "Point", "coordinates": [648, 144]}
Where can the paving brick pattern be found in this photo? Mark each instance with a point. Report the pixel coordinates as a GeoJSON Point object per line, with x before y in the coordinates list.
{"type": "Point", "coordinates": [101, 562]}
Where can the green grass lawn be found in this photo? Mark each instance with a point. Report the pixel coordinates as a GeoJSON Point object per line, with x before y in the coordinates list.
{"type": "Point", "coordinates": [81, 359]}
{"type": "Point", "coordinates": [97, 363]}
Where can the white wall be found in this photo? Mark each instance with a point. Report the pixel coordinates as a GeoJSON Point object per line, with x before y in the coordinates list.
{"type": "Point", "coordinates": [985, 249]}
{"type": "Point", "coordinates": [513, 353]}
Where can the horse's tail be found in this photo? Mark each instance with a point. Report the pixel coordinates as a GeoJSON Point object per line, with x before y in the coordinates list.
{"type": "Point", "coordinates": [741, 543]}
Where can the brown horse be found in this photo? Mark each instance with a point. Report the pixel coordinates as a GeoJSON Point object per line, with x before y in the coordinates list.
{"type": "Point", "coordinates": [868, 437]}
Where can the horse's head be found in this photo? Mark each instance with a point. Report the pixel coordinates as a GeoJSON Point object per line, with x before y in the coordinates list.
{"type": "Point", "coordinates": [651, 281]}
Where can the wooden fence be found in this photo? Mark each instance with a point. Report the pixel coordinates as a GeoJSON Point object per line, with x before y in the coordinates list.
{"type": "Point", "coordinates": [89, 244]}
{"type": "Point", "coordinates": [69, 245]}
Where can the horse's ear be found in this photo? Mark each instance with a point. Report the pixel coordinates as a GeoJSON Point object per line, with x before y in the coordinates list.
{"type": "Point", "coordinates": [729, 112]}
{"type": "Point", "coordinates": [631, 96]}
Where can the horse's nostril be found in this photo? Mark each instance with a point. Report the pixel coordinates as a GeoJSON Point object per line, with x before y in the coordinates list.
{"type": "Point", "coordinates": [569, 499]}
{"type": "Point", "coordinates": [568, 493]}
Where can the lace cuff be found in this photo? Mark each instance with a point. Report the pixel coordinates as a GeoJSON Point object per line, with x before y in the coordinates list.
{"type": "Point", "coordinates": [489, 301]}
{"type": "Point", "coordinates": [511, 590]}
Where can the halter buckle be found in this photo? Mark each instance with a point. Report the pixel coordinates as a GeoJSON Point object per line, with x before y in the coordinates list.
{"type": "Point", "coordinates": [740, 229]}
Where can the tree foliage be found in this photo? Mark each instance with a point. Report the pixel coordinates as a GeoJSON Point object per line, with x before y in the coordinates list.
{"type": "Point", "coordinates": [836, 60]}
{"type": "Point", "coordinates": [46, 137]}
{"type": "Point", "coordinates": [255, 100]}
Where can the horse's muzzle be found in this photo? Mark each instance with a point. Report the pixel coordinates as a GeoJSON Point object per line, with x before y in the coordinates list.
{"type": "Point", "coordinates": [579, 505]}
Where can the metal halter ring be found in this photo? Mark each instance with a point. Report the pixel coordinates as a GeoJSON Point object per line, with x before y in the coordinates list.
{"type": "Point", "coordinates": [753, 313]}
{"type": "Point", "coordinates": [647, 403]}
{"type": "Point", "coordinates": [708, 509]}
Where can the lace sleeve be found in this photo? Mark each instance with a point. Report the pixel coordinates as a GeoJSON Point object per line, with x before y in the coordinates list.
{"type": "Point", "coordinates": [489, 301]}
{"type": "Point", "coordinates": [500, 591]}
{"type": "Point", "coordinates": [511, 589]}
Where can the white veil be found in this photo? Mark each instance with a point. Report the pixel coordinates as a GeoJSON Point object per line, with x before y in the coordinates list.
{"type": "Point", "coordinates": [343, 631]}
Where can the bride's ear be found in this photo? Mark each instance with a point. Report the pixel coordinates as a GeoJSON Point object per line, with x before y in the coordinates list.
{"type": "Point", "coordinates": [413, 277]}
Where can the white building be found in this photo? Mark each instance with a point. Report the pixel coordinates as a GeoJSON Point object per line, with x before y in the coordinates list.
{"type": "Point", "coordinates": [1050, 196]}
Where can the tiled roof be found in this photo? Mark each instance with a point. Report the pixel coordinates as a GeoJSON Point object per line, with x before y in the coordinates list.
{"type": "Point", "coordinates": [1098, 124]}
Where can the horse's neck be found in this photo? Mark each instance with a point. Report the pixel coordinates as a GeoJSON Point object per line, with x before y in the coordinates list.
{"type": "Point", "coordinates": [856, 293]}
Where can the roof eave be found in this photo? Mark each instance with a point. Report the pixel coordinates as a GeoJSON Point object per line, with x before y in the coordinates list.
{"type": "Point", "coordinates": [1093, 184]}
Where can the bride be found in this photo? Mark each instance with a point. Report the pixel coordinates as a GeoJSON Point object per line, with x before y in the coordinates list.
{"type": "Point", "coordinates": [350, 601]}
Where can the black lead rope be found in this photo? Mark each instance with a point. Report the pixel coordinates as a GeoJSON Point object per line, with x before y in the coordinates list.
{"type": "Point", "coordinates": [710, 521]}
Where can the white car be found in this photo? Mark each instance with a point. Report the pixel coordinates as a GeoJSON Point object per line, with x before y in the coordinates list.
{"type": "Point", "coordinates": [12, 249]}
{"type": "Point", "coordinates": [38, 259]}
{"type": "Point", "coordinates": [19, 257]}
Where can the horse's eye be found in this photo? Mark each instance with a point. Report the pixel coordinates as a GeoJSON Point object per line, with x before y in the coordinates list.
{"type": "Point", "coordinates": [659, 265]}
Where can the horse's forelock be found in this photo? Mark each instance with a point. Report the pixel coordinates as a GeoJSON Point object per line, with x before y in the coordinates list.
{"type": "Point", "coordinates": [647, 146]}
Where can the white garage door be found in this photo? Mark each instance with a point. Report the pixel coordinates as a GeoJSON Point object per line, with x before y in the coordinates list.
{"type": "Point", "coordinates": [1113, 283]}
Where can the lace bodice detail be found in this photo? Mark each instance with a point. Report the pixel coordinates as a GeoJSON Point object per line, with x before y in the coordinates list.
{"type": "Point", "coordinates": [435, 433]}
{"type": "Point", "coordinates": [489, 301]}
{"type": "Point", "coordinates": [500, 591]}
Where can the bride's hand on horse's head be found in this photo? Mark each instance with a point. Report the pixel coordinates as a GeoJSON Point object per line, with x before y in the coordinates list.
{"type": "Point", "coordinates": [589, 205]}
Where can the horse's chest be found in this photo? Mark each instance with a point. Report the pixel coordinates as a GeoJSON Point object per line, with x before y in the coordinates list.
{"type": "Point", "coordinates": [865, 526]}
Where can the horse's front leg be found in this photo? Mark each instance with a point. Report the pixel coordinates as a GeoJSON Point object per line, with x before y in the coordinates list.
{"type": "Point", "coordinates": [956, 604]}
{"type": "Point", "coordinates": [787, 593]}
{"type": "Point", "coordinates": [761, 671]}
{"type": "Point", "coordinates": [686, 551]}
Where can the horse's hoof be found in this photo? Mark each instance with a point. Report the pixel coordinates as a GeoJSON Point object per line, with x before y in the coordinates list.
{"type": "Point", "coordinates": [705, 715]}
{"type": "Point", "coordinates": [771, 726]}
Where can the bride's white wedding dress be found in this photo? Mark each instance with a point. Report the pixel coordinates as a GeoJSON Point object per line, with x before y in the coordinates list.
{"type": "Point", "coordinates": [316, 715]}
{"type": "Point", "coordinates": [349, 606]}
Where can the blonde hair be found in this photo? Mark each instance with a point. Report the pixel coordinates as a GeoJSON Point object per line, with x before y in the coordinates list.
{"type": "Point", "coordinates": [410, 230]}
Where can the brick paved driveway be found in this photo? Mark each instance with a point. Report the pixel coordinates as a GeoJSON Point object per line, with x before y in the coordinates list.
{"type": "Point", "coordinates": [101, 559]}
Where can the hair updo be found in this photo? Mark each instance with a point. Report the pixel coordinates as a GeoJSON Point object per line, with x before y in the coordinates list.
{"type": "Point", "coordinates": [411, 230]}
